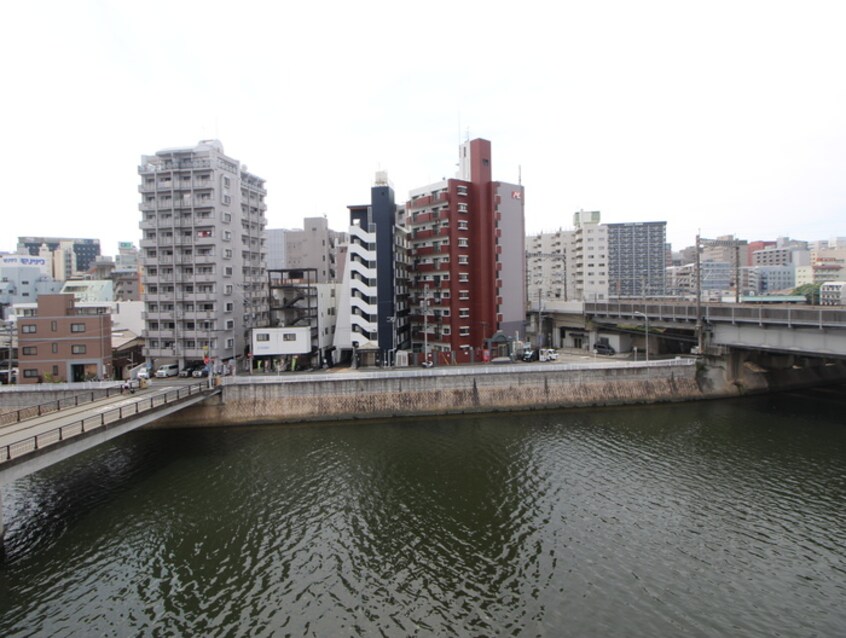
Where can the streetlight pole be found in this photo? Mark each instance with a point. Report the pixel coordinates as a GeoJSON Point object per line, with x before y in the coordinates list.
{"type": "Point", "coordinates": [646, 324]}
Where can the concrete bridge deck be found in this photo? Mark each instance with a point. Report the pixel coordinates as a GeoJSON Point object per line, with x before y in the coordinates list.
{"type": "Point", "coordinates": [21, 442]}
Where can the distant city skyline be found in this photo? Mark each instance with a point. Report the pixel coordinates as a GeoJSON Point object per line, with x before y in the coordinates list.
{"type": "Point", "coordinates": [723, 118]}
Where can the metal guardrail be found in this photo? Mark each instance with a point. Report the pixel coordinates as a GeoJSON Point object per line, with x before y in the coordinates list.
{"type": "Point", "coordinates": [601, 363]}
{"type": "Point", "coordinates": [49, 407]}
{"type": "Point", "coordinates": [37, 442]}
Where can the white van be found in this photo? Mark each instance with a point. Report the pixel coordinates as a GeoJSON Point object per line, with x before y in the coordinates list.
{"type": "Point", "coordinates": [167, 370]}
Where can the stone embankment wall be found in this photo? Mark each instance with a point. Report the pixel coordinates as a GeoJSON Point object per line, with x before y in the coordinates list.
{"type": "Point", "coordinates": [350, 395]}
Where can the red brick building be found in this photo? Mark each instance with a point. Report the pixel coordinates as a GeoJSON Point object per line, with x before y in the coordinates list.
{"type": "Point", "coordinates": [59, 342]}
{"type": "Point", "coordinates": [467, 259]}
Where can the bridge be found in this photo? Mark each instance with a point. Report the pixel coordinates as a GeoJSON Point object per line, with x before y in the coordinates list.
{"type": "Point", "coordinates": [36, 437]}
{"type": "Point", "coordinates": [787, 329]}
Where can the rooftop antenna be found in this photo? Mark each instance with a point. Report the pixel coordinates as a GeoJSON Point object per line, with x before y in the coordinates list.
{"type": "Point", "coordinates": [520, 174]}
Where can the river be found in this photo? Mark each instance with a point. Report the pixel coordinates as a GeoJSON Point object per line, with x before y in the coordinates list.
{"type": "Point", "coordinates": [701, 519]}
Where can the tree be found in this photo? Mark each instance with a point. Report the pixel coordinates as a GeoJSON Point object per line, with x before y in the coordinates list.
{"type": "Point", "coordinates": [811, 292]}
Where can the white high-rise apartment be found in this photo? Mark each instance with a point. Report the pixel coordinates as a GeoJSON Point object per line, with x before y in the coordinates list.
{"type": "Point", "coordinates": [202, 255]}
{"type": "Point", "coordinates": [569, 265]}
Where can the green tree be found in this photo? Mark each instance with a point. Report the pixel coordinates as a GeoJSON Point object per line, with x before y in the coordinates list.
{"type": "Point", "coordinates": [811, 292]}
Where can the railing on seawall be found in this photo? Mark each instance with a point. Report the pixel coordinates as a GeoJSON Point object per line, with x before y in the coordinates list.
{"type": "Point", "coordinates": [35, 442]}
{"type": "Point", "coordinates": [454, 370]}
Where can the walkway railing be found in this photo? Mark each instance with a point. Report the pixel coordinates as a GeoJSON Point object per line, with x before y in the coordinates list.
{"type": "Point", "coordinates": [32, 443]}
{"type": "Point", "coordinates": [48, 407]}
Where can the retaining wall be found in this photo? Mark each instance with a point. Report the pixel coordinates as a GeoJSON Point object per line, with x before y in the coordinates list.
{"type": "Point", "coordinates": [350, 395]}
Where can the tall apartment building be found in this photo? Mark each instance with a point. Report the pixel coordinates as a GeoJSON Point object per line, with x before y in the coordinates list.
{"type": "Point", "coordinates": [637, 259]}
{"type": "Point", "coordinates": [468, 258]}
{"type": "Point", "coordinates": [202, 254]}
{"type": "Point", "coordinates": [569, 265]}
{"type": "Point", "coordinates": [373, 308]}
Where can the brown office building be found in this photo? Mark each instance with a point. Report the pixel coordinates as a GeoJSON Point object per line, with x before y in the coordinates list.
{"type": "Point", "coordinates": [59, 342]}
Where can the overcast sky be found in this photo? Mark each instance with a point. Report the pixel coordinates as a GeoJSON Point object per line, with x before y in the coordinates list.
{"type": "Point", "coordinates": [724, 117]}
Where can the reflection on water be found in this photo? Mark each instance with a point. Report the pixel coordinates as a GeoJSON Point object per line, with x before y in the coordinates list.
{"type": "Point", "coordinates": [722, 518]}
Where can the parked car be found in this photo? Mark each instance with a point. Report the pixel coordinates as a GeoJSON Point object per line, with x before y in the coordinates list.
{"type": "Point", "coordinates": [548, 354]}
{"type": "Point", "coordinates": [167, 370]}
{"type": "Point", "coordinates": [188, 371]}
{"type": "Point", "coordinates": [603, 348]}
{"type": "Point", "coordinates": [202, 371]}
{"type": "Point", "coordinates": [530, 355]}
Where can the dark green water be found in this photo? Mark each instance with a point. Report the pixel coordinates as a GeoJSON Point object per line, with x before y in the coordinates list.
{"type": "Point", "coordinates": [708, 519]}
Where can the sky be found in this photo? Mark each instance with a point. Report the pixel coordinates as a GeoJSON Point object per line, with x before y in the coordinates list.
{"type": "Point", "coordinates": [718, 118]}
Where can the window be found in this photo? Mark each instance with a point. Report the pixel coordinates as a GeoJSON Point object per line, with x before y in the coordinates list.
{"type": "Point", "coordinates": [464, 331]}
{"type": "Point", "coordinates": [463, 260]}
{"type": "Point", "coordinates": [28, 329]}
{"type": "Point", "coordinates": [77, 327]}
{"type": "Point", "coordinates": [464, 312]}
{"type": "Point", "coordinates": [30, 350]}
{"type": "Point", "coordinates": [262, 336]}
{"type": "Point", "coordinates": [54, 348]}
{"type": "Point", "coordinates": [464, 295]}
{"type": "Point", "coordinates": [30, 373]}
{"type": "Point", "coordinates": [227, 254]}
{"type": "Point", "coordinates": [463, 277]}
{"type": "Point", "coordinates": [54, 325]}
{"type": "Point", "coordinates": [78, 349]}
{"type": "Point", "coordinates": [289, 337]}
{"type": "Point", "coordinates": [463, 242]}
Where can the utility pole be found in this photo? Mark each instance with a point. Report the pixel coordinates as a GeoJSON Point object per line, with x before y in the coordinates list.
{"type": "Point", "coordinates": [424, 306]}
{"type": "Point", "coordinates": [699, 343]}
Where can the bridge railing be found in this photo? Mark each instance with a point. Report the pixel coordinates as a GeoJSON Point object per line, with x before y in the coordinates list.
{"type": "Point", "coordinates": [785, 315]}
{"type": "Point", "coordinates": [48, 407]}
{"type": "Point", "coordinates": [32, 443]}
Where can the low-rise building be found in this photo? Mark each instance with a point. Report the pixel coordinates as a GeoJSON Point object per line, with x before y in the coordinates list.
{"type": "Point", "coordinates": [57, 341]}
{"type": "Point", "coordinates": [833, 293]}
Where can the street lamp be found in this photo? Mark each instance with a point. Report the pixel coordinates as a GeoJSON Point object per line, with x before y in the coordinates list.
{"type": "Point", "coordinates": [646, 323]}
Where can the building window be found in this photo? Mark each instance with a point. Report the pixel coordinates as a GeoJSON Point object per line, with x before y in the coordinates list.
{"type": "Point", "coordinates": [78, 349]}
{"type": "Point", "coordinates": [464, 331]}
{"type": "Point", "coordinates": [30, 350]}
{"type": "Point", "coordinates": [463, 242]}
{"type": "Point", "coordinates": [30, 373]}
{"type": "Point", "coordinates": [54, 348]}
{"type": "Point", "coordinates": [28, 329]}
{"type": "Point", "coordinates": [54, 325]}
{"type": "Point", "coordinates": [464, 295]}
{"type": "Point", "coordinates": [464, 312]}
{"type": "Point", "coordinates": [77, 327]}
{"type": "Point", "coordinates": [463, 277]}
{"type": "Point", "coordinates": [463, 260]}
{"type": "Point", "coordinates": [227, 254]}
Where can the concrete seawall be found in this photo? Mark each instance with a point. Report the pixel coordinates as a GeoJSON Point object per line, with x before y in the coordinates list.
{"type": "Point", "coordinates": [397, 393]}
